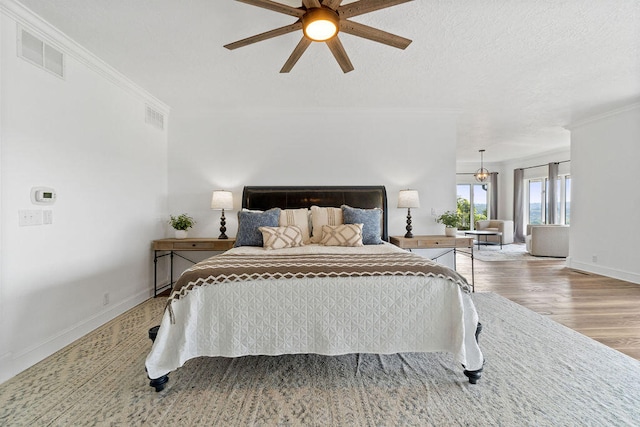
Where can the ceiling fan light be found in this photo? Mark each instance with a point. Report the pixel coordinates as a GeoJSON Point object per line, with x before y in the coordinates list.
{"type": "Point", "coordinates": [320, 24]}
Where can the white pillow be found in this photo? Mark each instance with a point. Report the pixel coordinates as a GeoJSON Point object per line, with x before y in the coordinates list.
{"type": "Point", "coordinates": [299, 218]}
{"type": "Point", "coordinates": [342, 235]}
{"type": "Point", "coordinates": [281, 237]}
{"type": "Point", "coordinates": [323, 216]}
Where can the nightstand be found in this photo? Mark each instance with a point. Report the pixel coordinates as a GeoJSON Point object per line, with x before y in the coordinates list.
{"type": "Point", "coordinates": [438, 242]}
{"type": "Point", "coordinates": [173, 246]}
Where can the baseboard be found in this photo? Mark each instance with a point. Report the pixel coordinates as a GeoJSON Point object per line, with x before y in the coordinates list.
{"type": "Point", "coordinates": [604, 271]}
{"type": "Point", "coordinates": [12, 364]}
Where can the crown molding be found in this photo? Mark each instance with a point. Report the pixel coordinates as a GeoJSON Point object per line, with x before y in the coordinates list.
{"type": "Point", "coordinates": [601, 116]}
{"type": "Point", "coordinates": [56, 38]}
{"type": "Point", "coordinates": [336, 110]}
{"type": "Point", "coordinates": [561, 154]}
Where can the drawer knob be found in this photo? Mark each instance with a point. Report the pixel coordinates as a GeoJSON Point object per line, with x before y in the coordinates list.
{"type": "Point", "coordinates": [193, 245]}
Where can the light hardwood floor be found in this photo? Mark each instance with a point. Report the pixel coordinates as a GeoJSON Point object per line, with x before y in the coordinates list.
{"type": "Point", "coordinates": [605, 309]}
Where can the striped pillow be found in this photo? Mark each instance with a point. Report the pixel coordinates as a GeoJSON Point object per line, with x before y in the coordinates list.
{"type": "Point", "coordinates": [298, 217]}
{"type": "Point", "coordinates": [323, 216]}
{"type": "Point", "coordinates": [342, 235]}
{"type": "Point", "coordinates": [289, 236]}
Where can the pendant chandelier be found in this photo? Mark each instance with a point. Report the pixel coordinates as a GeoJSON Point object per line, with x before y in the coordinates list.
{"type": "Point", "coordinates": [481, 174]}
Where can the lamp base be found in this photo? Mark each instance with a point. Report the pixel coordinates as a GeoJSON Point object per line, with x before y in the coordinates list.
{"type": "Point", "coordinates": [409, 235]}
{"type": "Point", "coordinates": [223, 229]}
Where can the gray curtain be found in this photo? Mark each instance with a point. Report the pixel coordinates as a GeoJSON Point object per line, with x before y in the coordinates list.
{"type": "Point", "coordinates": [518, 205]}
{"type": "Point", "coordinates": [552, 194]}
{"type": "Point", "coordinates": [493, 210]}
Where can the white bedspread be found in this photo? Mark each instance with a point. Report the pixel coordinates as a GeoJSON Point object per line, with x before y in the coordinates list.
{"type": "Point", "coordinates": [328, 316]}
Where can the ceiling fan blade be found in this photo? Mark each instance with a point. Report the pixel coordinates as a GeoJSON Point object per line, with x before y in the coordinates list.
{"type": "Point", "coordinates": [374, 34]}
{"type": "Point", "coordinates": [265, 36]}
{"type": "Point", "coordinates": [333, 4]}
{"type": "Point", "coordinates": [311, 3]}
{"type": "Point", "coordinates": [335, 45]}
{"type": "Point", "coordinates": [276, 7]}
{"type": "Point", "coordinates": [365, 6]}
{"type": "Point", "coordinates": [296, 54]}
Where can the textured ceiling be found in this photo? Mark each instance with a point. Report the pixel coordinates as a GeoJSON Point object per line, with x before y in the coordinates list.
{"type": "Point", "coordinates": [517, 71]}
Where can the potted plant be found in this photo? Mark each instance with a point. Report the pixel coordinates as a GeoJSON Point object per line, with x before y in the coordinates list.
{"type": "Point", "coordinates": [181, 224]}
{"type": "Point", "coordinates": [451, 220]}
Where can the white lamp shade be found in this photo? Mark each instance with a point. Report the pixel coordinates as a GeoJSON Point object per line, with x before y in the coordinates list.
{"type": "Point", "coordinates": [408, 199]}
{"type": "Point", "coordinates": [222, 200]}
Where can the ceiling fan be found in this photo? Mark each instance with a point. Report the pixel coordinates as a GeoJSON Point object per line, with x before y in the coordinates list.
{"type": "Point", "coordinates": [321, 21]}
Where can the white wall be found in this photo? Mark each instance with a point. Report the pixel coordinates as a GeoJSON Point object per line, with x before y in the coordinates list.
{"type": "Point", "coordinates": [86, 136]}
{"type": "Point", "coordinates": [227, 150]}
{"type": "Point", "coordinates": [606, 199]}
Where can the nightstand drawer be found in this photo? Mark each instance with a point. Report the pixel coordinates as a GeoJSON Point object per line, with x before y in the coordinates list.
{"type": "Point", "coordinates": [432, 242]}
{"type": "Point", "coordinates": [193, 244]}
{"type": "Point", "coordinates": [200, 246]}
{"type": "Point", "coordinates": [435, 242]}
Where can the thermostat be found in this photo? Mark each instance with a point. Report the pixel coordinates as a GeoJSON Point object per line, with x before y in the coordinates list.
{"type": "Point", "coordinates": [43, 195]}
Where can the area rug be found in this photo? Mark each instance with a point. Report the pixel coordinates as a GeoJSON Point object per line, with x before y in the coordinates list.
{"type": "Point", "coordinates": [537, 372]}
{"type": "Point", "coordinates": [511, 252]}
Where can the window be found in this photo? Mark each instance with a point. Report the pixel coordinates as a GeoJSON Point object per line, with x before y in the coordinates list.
{"type": "Point", "coordinates": [536, 211]}
{"type": "Point", "coordinates": [538, 206]}
{"type": "Point", "coordinates": [472, 204]}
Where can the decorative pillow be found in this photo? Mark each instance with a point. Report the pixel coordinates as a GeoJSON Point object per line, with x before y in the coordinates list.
{"type": "Point", "coordinates": [323, 216]}
{"type": "Point", "coordinates": [248, 223]}
{"type": "Point", "coordinates": [297, 217]}
{"type": "Point", "coordinates": [289, 236]}
{"type": "Point", "coordinates": [370, 218]}
{"type": "Point", "coordinates": [342, 235]}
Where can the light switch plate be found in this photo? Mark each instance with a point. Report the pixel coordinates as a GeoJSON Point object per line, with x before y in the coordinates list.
{"type": "Point", "coordinates": [28, 217]}
{"type": "Point", "coordinates": [47, 216]}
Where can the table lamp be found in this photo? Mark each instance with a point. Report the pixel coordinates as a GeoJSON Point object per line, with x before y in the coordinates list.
{"type": "Point", "coordinates": [408, 199]}
{"type": "Point", "coordinates": [221, 200]}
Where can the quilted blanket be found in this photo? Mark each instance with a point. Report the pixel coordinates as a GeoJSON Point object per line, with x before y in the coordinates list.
{"type": "Point", "coordinates": [317, 300]}
{"type": "Point", "coordinates": [234, 268]}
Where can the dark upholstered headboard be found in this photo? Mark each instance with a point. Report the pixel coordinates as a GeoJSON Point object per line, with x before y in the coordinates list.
{"type": "Point", "coordinates": [364, 197]}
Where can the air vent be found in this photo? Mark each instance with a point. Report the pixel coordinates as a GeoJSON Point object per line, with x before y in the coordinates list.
{"type": "Point", "coordinates": [39, 53]}
{"type": "Point", "coordinates": [155, 118]}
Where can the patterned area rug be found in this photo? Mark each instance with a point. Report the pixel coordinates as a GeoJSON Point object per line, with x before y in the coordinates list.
{"type": "Point", "coordinates": [537, 372]}
{"type": "Point", "coordinates": [511, 252]}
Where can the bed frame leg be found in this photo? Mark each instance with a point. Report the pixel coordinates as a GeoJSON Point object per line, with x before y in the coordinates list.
{"type": "Point", "coordinates": [157, 383]}
{"type": "Point", "coordinates": [474, 376]}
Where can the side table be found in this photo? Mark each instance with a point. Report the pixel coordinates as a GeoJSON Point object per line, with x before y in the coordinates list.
{"type": "Point", "coordinates": [173, 246]}
{"type": "Point", "coordinates": [438, 242]}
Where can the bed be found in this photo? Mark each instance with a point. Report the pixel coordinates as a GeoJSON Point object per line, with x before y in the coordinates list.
{"type": "Point", "coordinates": [322, 280]}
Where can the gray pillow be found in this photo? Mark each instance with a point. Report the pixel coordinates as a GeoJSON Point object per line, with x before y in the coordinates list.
{"type": "Point", "coordinates": [370, 218]}
{"type": "Point", "coordinates": [249, 223]}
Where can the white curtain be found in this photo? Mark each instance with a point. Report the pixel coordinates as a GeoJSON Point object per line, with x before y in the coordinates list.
{"type": "Point", "coordinates": [518, 205]}
{"type": "Point", "coordinates": [552, 194]}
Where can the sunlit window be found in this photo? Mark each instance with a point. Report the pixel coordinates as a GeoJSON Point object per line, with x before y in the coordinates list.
{"type": "Point", "coordinates": [538, 206]}
{"type": "Point", "coordinates": [472, 204]}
